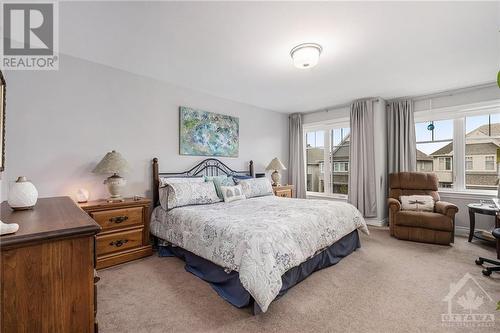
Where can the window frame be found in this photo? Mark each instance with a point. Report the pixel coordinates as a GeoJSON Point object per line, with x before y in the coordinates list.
{"type": "Point", "coordinates": [458, 114]}
{"type": "Point", "coordinates": [342, 122]}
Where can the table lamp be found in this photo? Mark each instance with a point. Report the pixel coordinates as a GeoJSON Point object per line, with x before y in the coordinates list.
{"type": "Point", "coordinates": [277, 166]}
{"type": "Point", "coordinates": [113, 163]}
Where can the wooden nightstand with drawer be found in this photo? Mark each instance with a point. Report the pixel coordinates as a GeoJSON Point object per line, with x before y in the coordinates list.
{"type": "Point", "coordinates": [125, 230]}
{"type": "Point", "coordinates": [285, 191]}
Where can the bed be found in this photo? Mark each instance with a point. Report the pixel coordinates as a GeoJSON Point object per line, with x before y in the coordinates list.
{"type": "Point", "coordinates": [252, 251]}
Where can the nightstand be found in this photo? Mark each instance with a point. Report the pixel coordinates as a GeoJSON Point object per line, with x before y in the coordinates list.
{"type": "Point", "coordinates": [285, 191]}
{"type": "Point", "coordinates": [125, 230]}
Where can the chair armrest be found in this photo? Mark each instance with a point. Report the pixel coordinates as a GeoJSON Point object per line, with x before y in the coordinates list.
{"type": "Point", "coordinates": [394, 205]}
{"type": "Point", "coordinates": [446, 208]}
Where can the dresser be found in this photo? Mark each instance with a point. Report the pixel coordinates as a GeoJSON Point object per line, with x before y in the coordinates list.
{"type": "Point", "coordinates": [48, 269]}
{"type": "Point", "coordinates": [285, 191]}
{"type": "Point", "coordinates": [125, 230]}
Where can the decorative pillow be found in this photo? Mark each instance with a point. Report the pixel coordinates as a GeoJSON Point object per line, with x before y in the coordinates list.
{"type": "Point", "coordinates": [164, 181]}
{"type": "Point", "coordinates": [220, 181]}
{"type": "Point", "coordinates": [232, 193]}
{"type": "Point", "coordinates": [186, 194]}
{"type": "Point", "coordinates": [423, 203]}
{"type": "Point", "coordinates": [255, 187]}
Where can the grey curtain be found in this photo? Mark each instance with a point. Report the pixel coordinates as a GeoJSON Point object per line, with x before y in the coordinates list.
{"type": "Point", "coordinates": [401, 136]}
{"type": "Point", "coordinates": [296, 172]}
{"type": "Point", "coordinates": [362, 184]}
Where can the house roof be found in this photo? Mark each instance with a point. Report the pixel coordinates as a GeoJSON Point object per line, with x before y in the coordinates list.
{"type": "Point", "coordinates": [484, 129]}
{"type": "Point", "coordinates": [446, 150]}
{"type": "Point", "coordinates": [485, 148]}
{"type": "Point", "coordinates": [421, 156]}
{"type": "Point", "coordinates": [342, 150]}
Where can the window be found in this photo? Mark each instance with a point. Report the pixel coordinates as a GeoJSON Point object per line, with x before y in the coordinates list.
{"type": "Point", "coordinates": [476, 137]}
{"type": "Point", "coordinates": [489, 162]}
{"type": "Point", "coordinates": [339, 178]}
{"type": "Point", "coordinates": [340, 166]}
{"type": "Point", "coordinates": [327, 159]}
{"type": "Point", "coordinates": [482, 139]}
{"type": "Point", "coordinates": [315, 157]}
{"type": "Point", "coordinates": [435, 149]}
{"type": "Point", "coordinates": [444, 163]}
{"type": "Point", "coordinates": [468, 163]}
{"type": "Point", "coordinates": [315, 139]}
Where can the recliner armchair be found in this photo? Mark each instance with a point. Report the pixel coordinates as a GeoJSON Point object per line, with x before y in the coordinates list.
{"type": "Point", "coordinates": [436, 227]}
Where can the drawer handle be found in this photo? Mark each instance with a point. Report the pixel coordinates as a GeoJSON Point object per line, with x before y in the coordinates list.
{"type": "Point", "coordinates": [119, 242]}
{"type": "Point", "coordinates": [118, 219]}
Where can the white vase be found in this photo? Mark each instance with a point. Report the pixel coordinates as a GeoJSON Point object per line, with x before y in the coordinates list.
{"type": "Point", "coordinates": [22, 195]}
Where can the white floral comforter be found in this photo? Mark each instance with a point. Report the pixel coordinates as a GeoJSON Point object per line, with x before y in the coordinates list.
{"type": "Point", "coordinates": [261, 238]}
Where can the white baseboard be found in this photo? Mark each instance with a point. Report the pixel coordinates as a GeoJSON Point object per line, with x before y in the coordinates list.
{"type": "Point", "coordinates": [377, 222]}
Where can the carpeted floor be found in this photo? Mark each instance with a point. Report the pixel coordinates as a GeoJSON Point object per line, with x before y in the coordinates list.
{"type": "Point", "coordinates": [386, 286]}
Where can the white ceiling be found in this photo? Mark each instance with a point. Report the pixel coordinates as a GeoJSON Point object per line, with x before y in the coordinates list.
{"type": "Point", "coordinates": [240, 51]}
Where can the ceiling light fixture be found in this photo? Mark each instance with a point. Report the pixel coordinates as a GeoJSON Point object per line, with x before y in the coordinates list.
{"type": "Point", "coordinates": [306, 55]}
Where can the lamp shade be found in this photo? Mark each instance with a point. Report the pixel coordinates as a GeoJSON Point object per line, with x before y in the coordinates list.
{"type": "Point", "coordinates": [276, 165]}
{"type": "Point", "coordinates": [113, 163]}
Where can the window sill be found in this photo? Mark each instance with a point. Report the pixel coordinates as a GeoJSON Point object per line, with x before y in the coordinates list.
{"type": "Point", "coordinates": [326, 196]}
{"type": "Point", "coordinates": [467, 194]}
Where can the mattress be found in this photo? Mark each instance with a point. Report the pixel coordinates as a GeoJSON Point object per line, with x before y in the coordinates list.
{"type": "Point", "coordinates": [260, 238]}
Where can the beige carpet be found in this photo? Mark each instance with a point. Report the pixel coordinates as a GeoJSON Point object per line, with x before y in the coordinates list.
{"type": "Point", "coordinates": [386, 286]}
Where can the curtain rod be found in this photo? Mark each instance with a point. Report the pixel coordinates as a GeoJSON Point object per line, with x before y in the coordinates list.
{"type": "Point", "coordinates": [442, 93]}
{"type": "Point", "coordinates": [445, 93]}
{"type": "Point", "coordinates": [340, 106]}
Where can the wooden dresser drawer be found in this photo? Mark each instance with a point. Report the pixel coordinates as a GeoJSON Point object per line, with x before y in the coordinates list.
{"type": "Point", "coordinates": [118, 218]}
{"type": "Point", "coordinates": [125, 229]}
{"type": "Point", "coordinates": [118, 241]}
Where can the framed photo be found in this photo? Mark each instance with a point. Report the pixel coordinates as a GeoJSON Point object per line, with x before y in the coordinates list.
{"type": "Point", "coordinates": [203, 133]}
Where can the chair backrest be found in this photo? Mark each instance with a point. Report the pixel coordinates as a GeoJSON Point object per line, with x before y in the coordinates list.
{"type": "Point", "coordinates": [413, 183]}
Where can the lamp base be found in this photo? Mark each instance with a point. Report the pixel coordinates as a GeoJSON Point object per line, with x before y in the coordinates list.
{"type": "Point", "coordinates": [115, 185]}
{"type": "Point", "coordinates": [276, 177]}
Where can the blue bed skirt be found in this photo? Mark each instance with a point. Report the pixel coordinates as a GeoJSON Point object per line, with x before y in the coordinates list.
{"type": "Point", "coordinates": [228, 285]}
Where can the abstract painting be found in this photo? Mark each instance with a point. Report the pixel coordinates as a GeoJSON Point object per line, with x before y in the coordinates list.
{"type": "Point", "coordinates": [203, 133]}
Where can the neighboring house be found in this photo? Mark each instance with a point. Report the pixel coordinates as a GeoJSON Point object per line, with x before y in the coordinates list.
{"type": "Point", "coordinates": [340, 168]}
{"type": "Point", "coordinates": [443, 165]}
{"type": "Point", "coordinates": [480, 159]}
{"type": "Point", "coordinates": [424, 162]}
{"type": "Point", "coordinates": [315, 174]}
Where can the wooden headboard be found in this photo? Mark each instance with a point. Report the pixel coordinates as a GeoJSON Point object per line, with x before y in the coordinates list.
{"type": "Point", "coordinates": [207, 167]}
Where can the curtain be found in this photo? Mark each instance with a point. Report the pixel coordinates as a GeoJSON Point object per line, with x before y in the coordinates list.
{"type": "Point", "coordinates": [296, 171]}
{"type": "Point", "coordinates": [401, 136]}
{"type": "Point", "coordinates": [362, 184]}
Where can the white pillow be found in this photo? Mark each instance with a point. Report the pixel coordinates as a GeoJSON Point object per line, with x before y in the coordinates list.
{"type": "Point", "coordinates": [232, 193]}
{"type": "Point", "coordinates": [424, 203]}
{"type": "Point", "coordinates": [164, 181]}
{"type": "Point", "coordinates": [191, 193]}
{"type": "Point", "coordinates": [256, 187]}
{"type": "Point", "coordinates": [163, 190]}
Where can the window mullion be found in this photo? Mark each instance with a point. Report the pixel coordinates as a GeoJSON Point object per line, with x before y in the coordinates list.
{"type": "Point", "coordinates": [327, 166]}
{"type": "Point", "coordinates": [459, 153]}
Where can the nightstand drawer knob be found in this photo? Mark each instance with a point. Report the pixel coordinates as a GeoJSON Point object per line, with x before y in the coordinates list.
{"type": "Point", "coordinates": [118, 219]}
{"type": "Point", "coordinates": [119, 242]}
